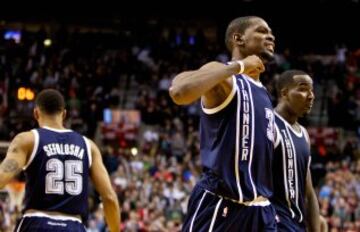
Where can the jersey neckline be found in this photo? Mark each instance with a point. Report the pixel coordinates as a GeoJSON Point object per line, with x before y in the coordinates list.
{"type": "Point", "coordinates": [257, 83]}
{"type": "Point", "coordinates": [298, 134]}
{"type": "Point", "coordinates": [56, 130]}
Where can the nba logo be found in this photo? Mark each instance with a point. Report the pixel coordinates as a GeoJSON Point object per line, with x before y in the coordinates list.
{"type": "Point", "coordinates": [225, 212]}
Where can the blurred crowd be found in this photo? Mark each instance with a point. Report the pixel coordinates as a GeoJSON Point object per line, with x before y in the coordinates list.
{"type": "Point", "coordinates": [339, 196]}
{"type": "Point", "coordinates": [154, 169]}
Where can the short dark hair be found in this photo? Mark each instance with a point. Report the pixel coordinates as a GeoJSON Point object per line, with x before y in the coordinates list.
{"type": "Point", "coordinates": [238, 25]}
{"type": "Point", "coordinates": [50, 101]}
{"type": "Point", "coordinates": [286, 79]}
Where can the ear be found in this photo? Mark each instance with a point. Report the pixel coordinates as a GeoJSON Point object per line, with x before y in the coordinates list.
{"type": "Point", "coordinates": [284, 92]}
{"type": "Point", "coordinates": [36, 113]}
{"type": "Point", "coordinates": [238, 39]}
{"type": "Point", "coordinates": [64, 114]}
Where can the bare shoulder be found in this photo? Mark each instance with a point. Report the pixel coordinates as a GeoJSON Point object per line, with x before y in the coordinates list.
{"type": "Point", "coordinates": [95, 151]}
{"type": "Point", "coordinates": [24, 139]}
{"type": "Point", "coordinates": [20, 148]}
{"type": "Point", "coordinates": [27, 135]}
{"type": "Point", "coordinates": [93, 144]}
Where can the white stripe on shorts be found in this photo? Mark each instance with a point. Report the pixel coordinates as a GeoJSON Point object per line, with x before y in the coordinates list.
{"type": "Point", "coordinates": [197, 209]}
{"type": "Point", "coordinates": [214, 215]}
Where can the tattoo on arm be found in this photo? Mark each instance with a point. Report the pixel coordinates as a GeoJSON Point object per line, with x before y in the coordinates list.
{"type": "Point", "coordinates": [10, 165]}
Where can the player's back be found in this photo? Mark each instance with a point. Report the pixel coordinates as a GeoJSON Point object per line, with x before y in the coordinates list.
{"type": "Point", "coordinates": [57, 172]}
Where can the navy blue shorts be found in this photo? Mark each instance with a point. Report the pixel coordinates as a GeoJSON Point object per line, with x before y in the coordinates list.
{"type": "Point", "coordinates": [44, 224]}
{"type": "Point", "coordinates": [286, 224]}
{"type": "Point", "coordinates": [208, 212]}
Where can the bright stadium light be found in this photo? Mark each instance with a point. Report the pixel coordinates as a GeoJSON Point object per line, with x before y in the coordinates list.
{"type": "Point", "coordinates": [134, 151]}
{"type": "Point", "coordinates": [47, 42]}
{"type": "Point", "coordinates": [21, 93]}
{"type": "Point", "coordinates": [25, 94]}
{"type": "Point", "coordinates": [29, 95]}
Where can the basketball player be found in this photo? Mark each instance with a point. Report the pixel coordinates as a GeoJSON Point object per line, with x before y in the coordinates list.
{"type": "Point", "coordinates": [291, 174]}
{"type": "Point", "coordinates": [236, 132]}
{"type": "Point", "coordinates": [57, 164]}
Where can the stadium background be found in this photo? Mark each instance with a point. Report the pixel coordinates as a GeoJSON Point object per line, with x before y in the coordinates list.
{"type": "Point", "coordinates": [115, 66]}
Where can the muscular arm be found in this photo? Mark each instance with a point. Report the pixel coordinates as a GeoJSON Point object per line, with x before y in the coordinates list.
{"type": "Point", "coordinates": [16, 157]}
{"type": "Point", "coordinates": [312, 206]}
{"type": "Point", "coordinates": [102, 184]}
{"type": "Point", "coordinates": [323, 224]}
{"type": "Point", "coordinates": [212, 81]}
{"type": "Point", "coordinates": [189, 86]}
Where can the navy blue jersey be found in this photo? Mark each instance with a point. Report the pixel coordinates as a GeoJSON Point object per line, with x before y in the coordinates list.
{"type": "Point", "coordinates": [57, 172]}
{"type": "Point", "coordinates": [291, 164]}
{"type": "Point", "coordinates": [236, 144]}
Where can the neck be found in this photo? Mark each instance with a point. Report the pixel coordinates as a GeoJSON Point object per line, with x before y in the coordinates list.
{"type": "Point", "coordinates": [52, 123]}
{"type": "Point", "coordinates": [284, 112]}
{"type": "Point", "coordinates": [237, 55]}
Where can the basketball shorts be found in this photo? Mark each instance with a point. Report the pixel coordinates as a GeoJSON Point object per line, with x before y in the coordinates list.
{"type": "Point", "coordinates": [286, 224]}
{"type": "Point", "coordinates": [45, 224]}
{"type": "Point", "coordinates": [209, 212]}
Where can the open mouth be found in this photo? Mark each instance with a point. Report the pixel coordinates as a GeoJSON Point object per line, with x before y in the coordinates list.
{"type": "Point", "coordinates": [308, 107]}
{"type": "Point", "coordinates": [269, 47]}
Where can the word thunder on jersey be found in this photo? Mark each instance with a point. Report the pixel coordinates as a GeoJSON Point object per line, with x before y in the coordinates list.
{"type": "Point", "coordinates": [236, 144]}
{"type": "Point", "coordinates": [291, 165]}
{"type": "Point", "coordinates": [57, 172]}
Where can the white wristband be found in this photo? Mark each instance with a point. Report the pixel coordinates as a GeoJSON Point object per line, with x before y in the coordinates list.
{"type": "Point", "coordinates": [242, 66]}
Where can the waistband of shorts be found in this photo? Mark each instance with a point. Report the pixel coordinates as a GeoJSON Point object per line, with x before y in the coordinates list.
{"type": "Point", "coordinates": [54, 217]}
{"type": "Point", "coordinates": [259, 201]}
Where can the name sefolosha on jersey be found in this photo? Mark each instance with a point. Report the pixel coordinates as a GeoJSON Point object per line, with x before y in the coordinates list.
{"type": "Point", "coordinates": [57, 172]}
